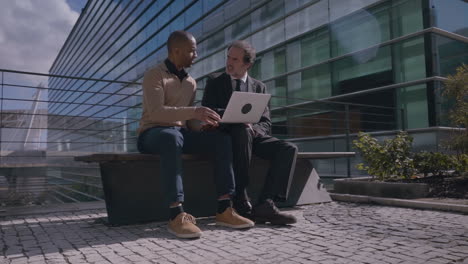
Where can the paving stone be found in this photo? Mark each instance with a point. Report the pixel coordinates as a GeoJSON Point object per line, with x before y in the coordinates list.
{"type": "Point", "coordinates": [327, 233]}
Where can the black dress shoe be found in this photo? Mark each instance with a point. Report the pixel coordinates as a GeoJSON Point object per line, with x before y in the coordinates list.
{"type": "Point", "coordinates": [243, 207]}
{"type": "Point", "coordinates": [268, 212]}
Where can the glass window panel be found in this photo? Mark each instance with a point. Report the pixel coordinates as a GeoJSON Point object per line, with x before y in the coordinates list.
{"type": "Point", "coordinates": [268, 65]}
{"type": "Point", "coordinates": [238, 29]}
{"type": "Point", "coordinates": [414, 102]}
{"type": "Point", "coordinates": [452, 54]}
{"type": "Point", "coordinates": [215, 42]}
{"type": "Point", "coordinates": [295, 4]}
{"type": "Point", "coordinates": [315, 48]}
{"type": "Point", "coordinates": [340, 8]}
{"type": "Point", "coordinates": [196, 30]}
{"type": "Point", "coordinates": [201, 83]}
{"type": "Point", "coordinates": [213, 21]}
{"type": "Point", "coordinates": [406, 17]}
{"type": "Point", "coordinates": [278, 89]}
{"type": "Point", "coordinates": [163, 35]}
{"type": "Point", "coordinates": [451, 16]}
{"type": "Point", "coordinates": [161, 55]}
{"type": "Point", "coordinates": [267, 13]}
{"type": "Point", "coordinates": [215, 62]}
{"type": "Point", "coordinates": [201, 48]}
{"type": "Point", "coordinates": [235, 7]}
{"type": "Point", "coordinates": [363, 71]}
{"type": "Point", "coordinates": [209, 4]}
{"type": "Point", "coordinates": [197, 69]}
{"type": "Point", "coordinates": [294, 87]}
{"type": "Point", "coordinates": [280, 61]}
{"type": "Point", "coordinates": [255, 71]}
{"type": "Point", "coordinates": [315, 83]}
{"type": "Point", "coordinates": [361, 30]}
{"type": "Point", "coordinates": [268, 37]}
{"type": "Point", "coordinates": [293, 57]}
{"type": "Point", "coordinates": [193, 13]}
{"type": "Point", "coordinates": [198, 97]}
{"type": "Point", "coordinates": [410, 61]}
{"type": "Point", "coordinates": [177, 24]}
{"type": "Point", "coordinates": [308, 19]}
{"type": "Point", "coordinates": [163, 17]}
{"type": "Point", "coordinates": [176, 7]}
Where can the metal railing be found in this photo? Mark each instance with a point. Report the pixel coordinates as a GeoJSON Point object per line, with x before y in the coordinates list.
{"type": "Point", "coordinates": [37, 144]}
{"type": "Point", "coordinates": [38, 138]}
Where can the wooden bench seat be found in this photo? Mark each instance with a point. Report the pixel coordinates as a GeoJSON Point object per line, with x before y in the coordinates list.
{"type": "Point", "coordinates": [132, 186]}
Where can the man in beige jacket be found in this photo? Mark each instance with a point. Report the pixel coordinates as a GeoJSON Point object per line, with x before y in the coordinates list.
{"type": "Point", "coordinates": [168, 95]}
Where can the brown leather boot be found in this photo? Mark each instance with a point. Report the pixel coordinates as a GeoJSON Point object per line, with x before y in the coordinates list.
{"type": "Point", "coordinates": [268, 212]}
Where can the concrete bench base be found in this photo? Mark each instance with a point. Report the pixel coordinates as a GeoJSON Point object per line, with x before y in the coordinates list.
{"type": "Point", "coordinates": [133, 195]}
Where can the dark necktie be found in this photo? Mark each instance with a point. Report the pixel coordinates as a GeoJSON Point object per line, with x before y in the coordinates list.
{"type": "Point", "coordinates": [238, 84]}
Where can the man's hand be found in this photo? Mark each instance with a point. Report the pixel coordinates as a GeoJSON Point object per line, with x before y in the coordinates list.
{"type": "Point", "coordinates": [208, 127]}
{"type": "Point", "coordinates": [250, 127]}
{"type": "Point", "coordinates": [207, 115]}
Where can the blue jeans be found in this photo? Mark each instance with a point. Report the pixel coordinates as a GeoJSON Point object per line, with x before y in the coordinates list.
{"type": "Point", "coordinates": [171, 142]}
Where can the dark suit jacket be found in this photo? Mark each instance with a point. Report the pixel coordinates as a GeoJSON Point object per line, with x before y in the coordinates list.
{"type": "Point", "coordinates": [218, 91]}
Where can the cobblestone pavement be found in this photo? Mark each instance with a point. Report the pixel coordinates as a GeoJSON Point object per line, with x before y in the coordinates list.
{"type": "Point", "coordinates": [327, 233]}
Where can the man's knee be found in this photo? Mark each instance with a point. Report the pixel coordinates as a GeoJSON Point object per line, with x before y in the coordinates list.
{"type": "Point", "coordinates": [290, 148]}
{"type": "Point", "coordinates": [222, 139]}
{"type": "Point", "coordinates": [171, 139]}
{"type": "Point", "coordinates": [241, 133]}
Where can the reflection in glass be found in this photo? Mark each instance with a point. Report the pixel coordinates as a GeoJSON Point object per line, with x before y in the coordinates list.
{"type": "Point", "coordinates": [360, 30]}
{"type": "Point", "coordinates": [268, 37]}
{"type": "Point", "coordinates": [414, 102]}
{"type": "Point", "coordinates": [452, 54]}
{"type": "Point", "coordinates": [267, 13]}
{"type": "Point", "coordinates": [278, 89]}
{"type": "Point", "coordinates": [409, 60]}
{"type": "Point", "coordinates": [406, 17]}
{"type": "Point", "coordinates": [451, 16]}
{"type": "Point", "coordinates": [307, 19]}
{"type": "Point", "coordinates": [315, 48]}
{"type": "Point", "coordinates": [351, 74]}
{"type": "Point", "coordinates": [315, 83]}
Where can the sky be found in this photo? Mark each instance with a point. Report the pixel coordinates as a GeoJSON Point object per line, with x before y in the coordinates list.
{"type": "Point", "coordinates": [76, 5]}
{"type": "Point", "coordinates": [33, 31]}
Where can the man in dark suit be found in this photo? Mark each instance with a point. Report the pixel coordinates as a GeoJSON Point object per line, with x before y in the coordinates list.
{"type": "Point", "coordinates": [252, 138]}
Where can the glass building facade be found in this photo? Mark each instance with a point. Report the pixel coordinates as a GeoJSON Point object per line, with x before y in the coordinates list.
{"type": "Point", "coordinates": [334, 68]}
{"type": "Point", "coordinates": [382, 58]}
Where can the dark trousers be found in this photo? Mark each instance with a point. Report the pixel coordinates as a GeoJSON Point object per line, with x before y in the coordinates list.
{"type": "Point", "coordinates": [281, 154]}
{"type": "Point", "coordinates": [171, 142]}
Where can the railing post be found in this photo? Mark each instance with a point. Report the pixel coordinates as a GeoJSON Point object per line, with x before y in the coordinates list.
{"type": "Point", "coordinates": [1, 111]}
{"type": "Point", "coordinates": [348, 160]}
{"type": "Point", "coordinates": [403, 119]}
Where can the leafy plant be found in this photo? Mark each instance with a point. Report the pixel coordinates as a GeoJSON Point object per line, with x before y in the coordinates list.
{"type": "Point", "coordinates": [391, 158]}
{"type": "Point", "coordinates": [456, 89]}
{"type": "Point", "coordinates": [436, 163]}
{"type": "Point", "coordinates": [461, 164]}
{"type": "Point", "coordinates": [394, 158]}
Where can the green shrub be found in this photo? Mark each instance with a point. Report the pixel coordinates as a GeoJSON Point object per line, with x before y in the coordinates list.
{"type": "Point", "coordinates": [456, 90]}
{"type": "Point", "coordinates": [393, 158]}
{"type": "Point", "coordinates": [436, 163]}
{"type": "Point", "coordinates": [461, 164]}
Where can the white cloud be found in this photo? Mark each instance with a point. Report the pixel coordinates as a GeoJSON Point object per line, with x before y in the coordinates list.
{"type": "Point", "coordinates": [32, 33]}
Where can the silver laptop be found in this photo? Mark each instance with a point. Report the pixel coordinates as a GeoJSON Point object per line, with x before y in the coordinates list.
{"type": "Point", "coordinates": [245, 107]}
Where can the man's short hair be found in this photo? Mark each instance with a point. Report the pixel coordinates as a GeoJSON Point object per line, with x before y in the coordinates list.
{"type": "Point", "coordinates": [178, 38]}
{"type": "Point", "coordinates": [249, 50]}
